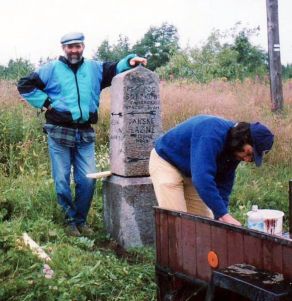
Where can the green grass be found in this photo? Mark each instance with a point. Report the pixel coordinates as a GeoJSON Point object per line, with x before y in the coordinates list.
{"type": "Point", "coordinates": [84, 269]}
{"type": "Point", "coordinates": [96, 268]}
{"type": "Point", "coordinates": [266, 187]}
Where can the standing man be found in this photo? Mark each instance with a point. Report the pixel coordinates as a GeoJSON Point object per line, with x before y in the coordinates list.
{"type": "Point", "coordinates": [193, 165]}
{"type": "Point", "coordinates": [69, 88]}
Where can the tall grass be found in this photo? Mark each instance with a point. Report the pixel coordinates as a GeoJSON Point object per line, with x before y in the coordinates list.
{"type": "Point", "coordinates": [23, 146]}
{"type": "Point", "coordinates": [85, 269]}
{"type": "Point", "coordinates": [93, 269]}
{"type": "Point", "coordinates": [241, 101]}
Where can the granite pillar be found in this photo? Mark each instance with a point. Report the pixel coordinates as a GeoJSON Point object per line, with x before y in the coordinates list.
{"type": "Point", "coordinates": [128, 195]}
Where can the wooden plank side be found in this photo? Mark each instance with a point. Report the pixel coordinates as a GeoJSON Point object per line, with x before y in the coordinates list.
{"type": "Point", "coordinates": [253, 251]}
{"type": "Point", "coordinates": [234, 247]}
{"type": "Point", "coordinates": [277, 255]}
{"type": "Point", "coordinates": [163, 239]}
{"type": "Point", "coordinates": [203, 243]}
{"type": "Point", "coordinates": [157, 233]}
{"type": "Point", "coordinates": [174, 247]}
{"type": "Point", "coordinates": [272, 256]}
{"type": "Point", "coordinates": [189, 248]}
{"type": "Point", "coordinates": [219, 245]}
{"type": "Point", "coordinates": [287, 262]}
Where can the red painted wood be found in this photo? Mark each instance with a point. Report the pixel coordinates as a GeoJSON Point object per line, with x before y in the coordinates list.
{"type": "Point", "coordinates": [157, 232]}
{"type": "Point", "coordinates": [183, 243]}
{"type": "Point", "coordinates": [219, 245]}
{"type": "Point", "coordinates": [177, 285]}
{"type": "Point", "coordinates": [253, 251]}
{"type": "Point", "coordinates": [189, 248]}
{"type": "Point", "coordinates": [287, 262]}
{"type": "Point", "coordinates": [234, 247]}
{"type": "Point", "coordinates": [164, 240]}
{"type": "Point", "coordinates": [164, 286]}
{"type": "Point", "coordinates": [203, 243]}
{"type": "Point", "coordinates": [272, 256]}
{"type": "Point", "coordinates": [175, 245]}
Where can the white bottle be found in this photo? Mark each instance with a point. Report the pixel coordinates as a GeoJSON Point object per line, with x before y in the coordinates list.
{"type": "Point", "coordinates": [255, 219]}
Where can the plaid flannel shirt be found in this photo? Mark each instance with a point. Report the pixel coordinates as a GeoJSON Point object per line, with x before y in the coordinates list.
{"type": "Point", "coordinates": [69, 136]}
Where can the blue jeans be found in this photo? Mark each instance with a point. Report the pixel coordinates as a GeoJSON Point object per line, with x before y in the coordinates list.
{"type": "Point", "coordinates": [82, 159]}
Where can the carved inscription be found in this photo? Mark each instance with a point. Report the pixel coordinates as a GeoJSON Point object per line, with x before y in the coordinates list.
{"type": "Point", "coordinates": [141, 106]}
{"type": "Point", "coordinates": [142, 129]}
{"type": "Point", "coordinates": [135, 121]}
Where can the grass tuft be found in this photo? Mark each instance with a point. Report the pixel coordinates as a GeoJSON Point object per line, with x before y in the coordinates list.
{"type": "Point", "coordinates": [96, 268]}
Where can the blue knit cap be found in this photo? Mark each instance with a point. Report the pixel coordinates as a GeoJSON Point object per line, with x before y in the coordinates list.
{"type": "Point", "coordinates": [262, 139]}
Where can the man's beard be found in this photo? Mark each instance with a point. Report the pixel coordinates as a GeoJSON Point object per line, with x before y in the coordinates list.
{"type": "Point", "coordinates": [74, 59]}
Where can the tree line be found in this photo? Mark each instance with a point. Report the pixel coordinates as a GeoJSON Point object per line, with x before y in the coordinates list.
{"type": "Point", "coordinates": [229, 55]}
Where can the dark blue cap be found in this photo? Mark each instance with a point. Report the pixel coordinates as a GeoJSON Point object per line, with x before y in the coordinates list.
{"type": "Point", "coordinates": [262, 139]}
{"type": "Point", "coordinates": [72, 38]}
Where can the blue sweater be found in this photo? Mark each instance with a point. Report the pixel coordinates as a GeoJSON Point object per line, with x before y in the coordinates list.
{"type": "Point", "coordinates": [196, 148]}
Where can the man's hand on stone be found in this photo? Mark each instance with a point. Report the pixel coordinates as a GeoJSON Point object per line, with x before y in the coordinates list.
{"type": "Point", "coordinates": [227, 218]}
{"type": "Point", "coordinates": [138, 60]}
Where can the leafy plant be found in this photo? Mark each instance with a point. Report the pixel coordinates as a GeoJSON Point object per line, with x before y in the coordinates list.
{"type": "Point", "coordinates": [107, 52]}
{"type": "Point", "coordinates": [16, 69]}
{"type": "Point", "coordinates": [238, 59]}
{"type": "Point", "coordinates": [157, 45]}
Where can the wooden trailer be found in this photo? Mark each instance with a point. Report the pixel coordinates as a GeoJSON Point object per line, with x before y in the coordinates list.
{"type": "Point", "coordinates": [196, 258]}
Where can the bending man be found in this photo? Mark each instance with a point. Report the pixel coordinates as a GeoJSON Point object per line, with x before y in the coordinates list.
{"type": "Point", "coordinates": [193, 165]}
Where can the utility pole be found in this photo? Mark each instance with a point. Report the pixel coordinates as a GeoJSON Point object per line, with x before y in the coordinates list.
{"type": "Point", "coordinates": [274, 55]}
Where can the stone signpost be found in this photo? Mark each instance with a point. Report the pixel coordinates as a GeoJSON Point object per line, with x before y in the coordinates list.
{"type": "Point", "coordinates": [128, 195]}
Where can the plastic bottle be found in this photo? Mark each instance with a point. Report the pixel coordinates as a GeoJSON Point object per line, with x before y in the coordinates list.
{"type": "Point", "coordinates": [255, 219]}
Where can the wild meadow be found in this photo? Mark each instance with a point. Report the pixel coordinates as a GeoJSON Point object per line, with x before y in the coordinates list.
{"type": "Point", "coordinates": [96, 268]}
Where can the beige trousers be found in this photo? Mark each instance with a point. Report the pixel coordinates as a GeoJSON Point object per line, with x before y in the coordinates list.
{"type": "Point", "coordinates": [173, 190]}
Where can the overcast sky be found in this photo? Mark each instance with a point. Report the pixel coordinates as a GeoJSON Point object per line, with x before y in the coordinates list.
{"type": "Point", "coordinates": [31, 29]}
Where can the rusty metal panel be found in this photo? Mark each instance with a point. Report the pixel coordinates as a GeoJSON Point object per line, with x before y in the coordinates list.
{"type": "Point", "coordinates": [175, 243]}
{"type": "Point", "coordinates": [272, 256]}
{"type": "Point", "coordinates": [189, 248]}
{"type": "Point", "coordinates": [219, 245]}
{"type": "Point", "coordinates": [203, 242]}
{"type": "Point", "coordinates": [253, 251]}
{"type": "Point", "coordinates": [234, 247]}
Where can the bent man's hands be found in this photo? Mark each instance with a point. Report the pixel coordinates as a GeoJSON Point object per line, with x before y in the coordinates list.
{"type": "Point", "coordinates": [227, 218]}
{"type": "Point", "coordinates": [138, 60]}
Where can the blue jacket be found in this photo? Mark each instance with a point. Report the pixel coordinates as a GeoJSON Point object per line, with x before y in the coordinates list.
{"type": "Point", "coordinates": [72, 91]}
{"type": "Point", "coordinates": [196, 148]}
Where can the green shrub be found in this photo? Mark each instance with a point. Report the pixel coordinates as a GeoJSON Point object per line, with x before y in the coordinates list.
{"type": "Point", "coordinates": [215, 59]}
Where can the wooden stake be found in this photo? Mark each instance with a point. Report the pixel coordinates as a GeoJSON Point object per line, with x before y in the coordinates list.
{"type": "Point", "coordinates": [98, 175]}
{"type": "Point", "coordinates": [36, 249]}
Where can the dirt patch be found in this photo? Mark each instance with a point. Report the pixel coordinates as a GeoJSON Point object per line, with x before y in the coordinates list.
{"type": "Point", "coordinates": [132, 257]}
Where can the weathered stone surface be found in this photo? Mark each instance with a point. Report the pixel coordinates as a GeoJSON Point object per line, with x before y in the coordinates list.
{"type": "Point", "coordinates": [128, 212]}
{"type": "Point", "coordinates": [135, 121]}
{"type": "Point", "coordinates": [128, 195]}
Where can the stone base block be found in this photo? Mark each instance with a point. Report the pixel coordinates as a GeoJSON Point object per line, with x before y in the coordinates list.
{"type": "Point", "coordinates": [128, 212]}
